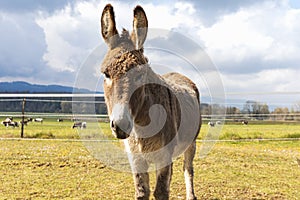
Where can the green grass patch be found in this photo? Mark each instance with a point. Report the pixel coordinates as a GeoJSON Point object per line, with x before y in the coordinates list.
{"type": "Point", "coordinates": [253, 131]}
{"type": "Point", "coordinates": [50, 128]}
{"type": "Point", "coordinates": [42, 135]}
{"type": "Point", "coordinates": [293, 135]}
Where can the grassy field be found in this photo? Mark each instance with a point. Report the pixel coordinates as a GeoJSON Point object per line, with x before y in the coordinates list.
{"type": "Point", "coordinates": [64, 169]}
{"type": "Point", "coordinates": [50, 128]}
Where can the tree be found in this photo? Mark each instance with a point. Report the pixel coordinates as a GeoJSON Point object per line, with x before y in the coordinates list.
{"type": "Point", "coordinates": [248, 107]}
{"type": "Point", "coordinates": [66, 107]}
{"type": "Point", "coordinates": [232, 110]}
{"type": "Point", "coordinates": [296, 107]}
{"type": "Point", "coordinates": [205, 109]}
{"type": "Point", "coordinates": [281, 113]}
{"type": "Point", "coordinates": [256, 108]}
{"type": "Point", "coordinates": [101, 108]}
{"type": "Point", "coordinates": [265, 109]}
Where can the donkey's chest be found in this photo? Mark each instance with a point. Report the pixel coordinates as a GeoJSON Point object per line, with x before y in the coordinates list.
{"type": "Point", "coordinates": [154, 143]}
{"type": "Point", "coordinates": [153, 151]}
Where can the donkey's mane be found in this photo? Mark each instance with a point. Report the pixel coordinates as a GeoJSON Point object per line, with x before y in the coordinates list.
{"type": "Point", "coordinates": [124, 35]}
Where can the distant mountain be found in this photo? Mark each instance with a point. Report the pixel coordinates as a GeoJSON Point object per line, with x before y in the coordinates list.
{"type": "Point", "coordinates": [24, 87]}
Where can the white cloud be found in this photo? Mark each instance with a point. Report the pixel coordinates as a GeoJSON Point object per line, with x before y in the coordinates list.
{"type": "Point", "coordinates": [274, 80]}
{"type": "Point", "coordinates": [235, 38]}
{"type": "Point", "coordinates": [70, 34]}
{"type": "Point", "coordinates": [74, 31]}
{"type": "Point", "coordinates": [266, 32]}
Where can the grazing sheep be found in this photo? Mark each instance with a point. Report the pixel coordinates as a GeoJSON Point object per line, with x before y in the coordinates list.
{"type": "Point", "coordinates": [38, 120]}
{"type": "Point", "coordinates": [81, 125]}
{"type": "Point", "coordinates": [245, 122]}
{"type": "Point", "coordinates": [10, 123]}
{"type": "Point", "coordinates": [211, 124]}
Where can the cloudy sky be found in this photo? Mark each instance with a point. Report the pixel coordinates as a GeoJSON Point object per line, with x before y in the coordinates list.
{"type": "Point", "coordinates": [254, 44]}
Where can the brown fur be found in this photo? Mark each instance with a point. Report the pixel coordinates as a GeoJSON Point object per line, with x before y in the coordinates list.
{"type": "Point", "coordinates": [120, 64]}
{"type": "Point", "coordinates": [130, 81]}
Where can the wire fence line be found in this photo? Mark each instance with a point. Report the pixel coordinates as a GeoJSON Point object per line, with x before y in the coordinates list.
{"type": "Point", "coordinates": [90, 98]}
{"type": "Point", "coordinates": [95, 116]}
{"type": "Point", "coordinates": [51, 101]}
{"type": "Point", "coordinates": [102, 95]}
{"type": "Point", "coordinates": [52, 115]}
{"type": "Point", "coordinates": [78, 96]}
{"type": "Point", "coordinates": [45, 95]}
{"type": "Point", "coordinates": [117, 141]}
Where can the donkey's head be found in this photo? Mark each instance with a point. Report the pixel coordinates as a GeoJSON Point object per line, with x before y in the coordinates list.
{"type": "Point", "coordinates": [124, 66]}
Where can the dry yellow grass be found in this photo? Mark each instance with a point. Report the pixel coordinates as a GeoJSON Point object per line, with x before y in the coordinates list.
{"type": "Point", "coordinates": [66, 170]}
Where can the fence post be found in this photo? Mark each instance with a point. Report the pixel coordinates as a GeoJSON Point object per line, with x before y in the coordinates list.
{"type": "Point", "coordinates": [23, 117]}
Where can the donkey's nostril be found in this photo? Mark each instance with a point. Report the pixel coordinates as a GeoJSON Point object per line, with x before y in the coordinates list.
{"type": "Point", "coordinates": [113, 125]}
{"type": "Point", "coordinates": [121, 129]}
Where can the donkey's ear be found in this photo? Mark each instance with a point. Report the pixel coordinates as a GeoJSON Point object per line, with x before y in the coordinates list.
{"type": "Point", "coordinates": [108, 26]}
{"type": "Point", "coordinates": [140, 27]}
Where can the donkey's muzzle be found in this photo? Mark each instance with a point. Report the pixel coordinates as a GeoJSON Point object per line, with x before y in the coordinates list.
{"type": "Point", "coordinates": [121, 129]}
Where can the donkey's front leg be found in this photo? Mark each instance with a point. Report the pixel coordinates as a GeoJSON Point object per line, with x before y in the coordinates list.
{"type": "Point", "coordinates": [142, 190]}
{"type": "Point", "coordinates": [163, 180]}
{"type": "Point", "coordinates": [141, 179]}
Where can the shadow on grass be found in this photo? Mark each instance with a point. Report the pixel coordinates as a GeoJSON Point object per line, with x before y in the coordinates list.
{"type": "Point", "coordinates": [292, 135]}
{"type": "Point", "coordinates": [43, 135]}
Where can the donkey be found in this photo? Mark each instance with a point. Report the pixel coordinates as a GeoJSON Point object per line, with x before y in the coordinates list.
{"type": "Point", "coordinates": [158, 117]}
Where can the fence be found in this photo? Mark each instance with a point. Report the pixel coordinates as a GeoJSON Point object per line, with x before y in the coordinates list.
{"type": "Point", "coordinates": [90, 100]}
{"type": "Point", "coordinates": [92, 106]}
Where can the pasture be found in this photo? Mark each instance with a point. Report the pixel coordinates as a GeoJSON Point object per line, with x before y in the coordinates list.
{"type": "Point", "coordinates": [56, 165]}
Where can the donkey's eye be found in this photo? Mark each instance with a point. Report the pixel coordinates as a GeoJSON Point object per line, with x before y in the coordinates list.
{"type": "Point", "coordinates": [106, 75]}
{"type": "Point", "coordinates": [107, 79]}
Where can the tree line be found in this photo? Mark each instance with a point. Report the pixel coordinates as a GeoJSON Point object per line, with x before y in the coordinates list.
{"type": "Point", "coordinates": [254, 109]}
{"type": "Point", "coordinates": [54, 105]}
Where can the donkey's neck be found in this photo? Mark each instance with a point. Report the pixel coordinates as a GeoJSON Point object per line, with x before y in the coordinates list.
{"type": "Point", "coordinates": [155, 93]}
